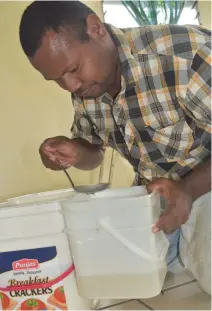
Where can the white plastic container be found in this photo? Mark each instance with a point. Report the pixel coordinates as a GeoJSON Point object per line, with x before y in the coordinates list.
{"type": "Point", "coordinates": [195, 242]}
{"type": "Point", "coordinates": [116, 254]}
{"type": "Point", "coordinates": [34, 248]}
{"type": "Point", "coordinates": [41, 197]}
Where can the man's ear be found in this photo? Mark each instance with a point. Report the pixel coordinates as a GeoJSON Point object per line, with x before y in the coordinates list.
{"type": "Point", "coordinates": [95, 28]}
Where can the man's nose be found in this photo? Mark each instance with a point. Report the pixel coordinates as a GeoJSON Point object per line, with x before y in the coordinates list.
{"type": "Point", "coordinates": [72, 84]}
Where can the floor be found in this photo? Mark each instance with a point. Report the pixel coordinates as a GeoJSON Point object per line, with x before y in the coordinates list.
{"type": "Point", "coordinates": [180, 292]}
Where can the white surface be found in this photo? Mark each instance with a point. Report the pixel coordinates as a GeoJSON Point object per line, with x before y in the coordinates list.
{"type": "Point", "coordinates": [117, 235]}
{"type": "Point", "coordinates": [30, 209]}
{"type": "Point", "coordinates": [3, 204]}
{"type": "Point", "coordinates": [101, 260]}
{"type": "Point", "coordinates": [42, 197]}
{"type": "Point", "coordinates": [31, 225]}
{"type": "Point", "coordinates": [111, 194]}
{"type": "Point", "coordinates": [195, 242]}
{"type": "Point", "coordinates": [41, 225]}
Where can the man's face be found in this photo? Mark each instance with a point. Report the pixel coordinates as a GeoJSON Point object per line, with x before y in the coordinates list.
{"type": "Point", "coordinates": [85, 68]}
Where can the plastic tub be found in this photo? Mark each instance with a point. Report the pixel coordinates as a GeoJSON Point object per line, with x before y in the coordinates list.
{"type": "Point", "coordinates": [116, 254]}
{"type": "Point", "coordinates": [36, 267]}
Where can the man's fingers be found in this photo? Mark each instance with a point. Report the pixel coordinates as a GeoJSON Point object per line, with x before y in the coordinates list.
{"type": "Point", "coordinates": [167, 222]}
{"type": "Point", "coordinates": [63, 161]}
{"type": "Point", "coordinates": [155, 229]}
{"type": "Point", "coordinates": [49, 149]}
{"type": "Point", "coordinates": [153, 186]}
{"type": "Point", "coordinates": [158, 185]}
{"type": "Point", "coordinates": [56, 149]}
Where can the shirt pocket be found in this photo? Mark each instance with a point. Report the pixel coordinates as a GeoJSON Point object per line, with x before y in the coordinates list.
{"type": "Point", "coordinates": [173, 141]}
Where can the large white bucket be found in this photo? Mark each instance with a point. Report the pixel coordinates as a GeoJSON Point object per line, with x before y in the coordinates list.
{"type": "Point", "coordinates": [36, 267]}
{"type": "Point", "coordinates": [116, 254]}
{"type": "Point", "coordinates": [195, 242]}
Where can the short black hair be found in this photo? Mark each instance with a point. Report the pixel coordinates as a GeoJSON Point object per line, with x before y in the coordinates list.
{"type": "Point", "coordinates": [41, 16]}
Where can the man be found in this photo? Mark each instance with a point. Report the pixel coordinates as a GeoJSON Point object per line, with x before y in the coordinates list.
{"type": "Point", "coordinates": [145, 92]}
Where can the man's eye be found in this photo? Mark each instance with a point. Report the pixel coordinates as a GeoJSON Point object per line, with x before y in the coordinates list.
{"type": "Point", "coordinates": [73, 70]}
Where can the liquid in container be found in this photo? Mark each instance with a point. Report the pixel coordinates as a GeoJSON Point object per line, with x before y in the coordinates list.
{"type": "Point", "coordinates": [116, 255]}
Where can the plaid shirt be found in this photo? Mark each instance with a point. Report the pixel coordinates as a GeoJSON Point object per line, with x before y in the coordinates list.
{"type": "Point", "coordinates": [161, 119]}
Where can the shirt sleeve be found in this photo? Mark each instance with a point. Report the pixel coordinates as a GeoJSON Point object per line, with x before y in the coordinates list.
{"type": "Point", "coordinates": [198, 96]}
{"type": "Point", "coordinates": [197, 104]}
{"type": "Point", "coordinates": [82, 126]}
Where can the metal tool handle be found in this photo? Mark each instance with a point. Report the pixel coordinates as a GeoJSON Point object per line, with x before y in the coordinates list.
{"type": "Point", "coordinates": [67, 174]}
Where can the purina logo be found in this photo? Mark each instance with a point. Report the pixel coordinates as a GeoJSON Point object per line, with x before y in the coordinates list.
{"type": "Point", "coordinates": [25, 264]}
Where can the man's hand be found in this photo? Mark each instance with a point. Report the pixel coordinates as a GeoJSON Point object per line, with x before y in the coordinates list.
{"type": "Point", "coordinates": [65, 150]}
{"type": "Point", "coordinates": [75, 152]}
{"type": "Point", "coordinates": [179, 204]}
